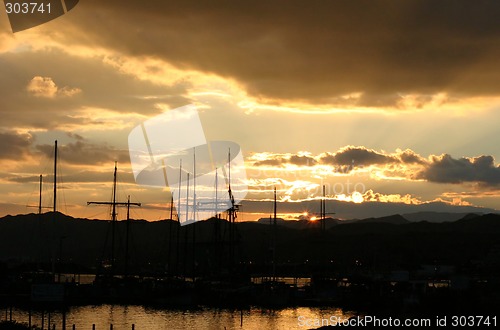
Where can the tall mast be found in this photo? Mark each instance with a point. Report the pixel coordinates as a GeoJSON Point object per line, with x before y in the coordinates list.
{"type": "Point", "coordinates": [40, 197]}
{"type": "Point", "coordinates": [113, 213]}
{"type": "Point", "coordinates": [231, 212]}
{"type": "Point", "coordinates": [178, 208]}
{"type": "Point", "coordinates": [169, 264]}
{"type": "Point", "coordinates": [186, 229]}
{"type": "Point", "coordinates": [187, 199]}
{"type": "Point", "coordinates": [179, 197]}
{"type": "Point", "coordinates": [113, 204]}
{"type": "Point", "coordinates": [55, 177]}
{"type": "Point", "coordinates": [127, 233]}
{"type": "Point", "coordinates": [194, 214]}
{"type": "Point", "coordinates": [274, 237]}
{"type": "Point", "coordinates": [113, 221]}
{"type": "Point", "coordinates": [194, 184]}
{"type": "Point", "coordinates": [216, 197]}
{"type": "Point", "coordinates": [323, 207]}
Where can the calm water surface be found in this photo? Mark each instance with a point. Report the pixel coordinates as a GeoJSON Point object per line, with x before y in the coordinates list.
{"type": "Point", "coordinates": [122, 317]}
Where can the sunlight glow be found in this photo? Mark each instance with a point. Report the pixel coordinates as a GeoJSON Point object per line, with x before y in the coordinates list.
{"type": "Point", "coordinates": [357, 197]}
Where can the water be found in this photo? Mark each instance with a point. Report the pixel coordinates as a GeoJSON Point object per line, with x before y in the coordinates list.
{"type": "Point", "coordinates": [122, 317]}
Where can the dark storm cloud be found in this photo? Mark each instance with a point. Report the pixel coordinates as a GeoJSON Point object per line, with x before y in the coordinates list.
{"type": "Point", "coordinates": [14, 145]}
{"type": "Point", "coordinates": [312, 50]}
{"type": "Point", "coordinates": [446, 169]}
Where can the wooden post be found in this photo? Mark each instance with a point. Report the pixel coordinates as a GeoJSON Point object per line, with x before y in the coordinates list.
{"type": "Point", "coordinates": [64, 319]}
{"type": "Point", "coordinates": [48, 320]}
{"type": "Point", "coordinates": [29, 318]}
{"type": "Point", "coordinates": [133, 326]}
{"type": "Point", "coordinates": [43, 319]}
{"type": "Point", "coordinates": [111, 326]}
{"type": "Point", "coordinates": [10, 314]}
{"type": "Point", "coordinates": [74, 327]}
{"type": "Point", "coordinates": [93, 326]}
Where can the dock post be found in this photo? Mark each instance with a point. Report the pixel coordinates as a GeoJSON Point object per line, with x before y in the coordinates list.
{"type": "Point", "coordinates": [93, 326]}
{"type": "Point", "coordinates": [29, 318]}
{"type": "Point", "coordinates": [43, 319]}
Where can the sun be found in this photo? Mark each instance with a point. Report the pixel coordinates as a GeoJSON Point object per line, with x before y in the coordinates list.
{"type": "Point", "coordinates": [357, 197]}
{"type": "Point", "coordinates": [313, 218]}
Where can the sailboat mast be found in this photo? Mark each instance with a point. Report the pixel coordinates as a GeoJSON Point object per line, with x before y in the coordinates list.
{"type": "Point", "coordinates": [194, 214]}
{"type": "Point", "coordinates": [179, 197]}
{"type": "Point", "coordinates": [187, 199]}
{"type": "Point", "coordinates": [113, 204]}
{"type": "Point", "coordinates": [169, 264]}
{"type": "Point", "coordinates": [55, 177]}
{"type": "Point", "coordinates": [40, 197]}
{"type": "Point", "coordinates": [113, 222]}
{"type": "Point", "coordinates": [274, 237]}
{"type": "Point", "coordinates": [194, 185]}
{"type": "Point", "coordinates": [231, 212]}
{"type": "Point", "coordinates": [323, 204]}
{"type": "Point", "coordinates": [216, 191]}
{"type": "Point", "coordinates": [127, 237]}
{"type": "Point", "coordinates": [177, 259]}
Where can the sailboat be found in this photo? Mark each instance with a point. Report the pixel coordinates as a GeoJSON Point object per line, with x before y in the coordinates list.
{"type": "Point", "coordinates": [46, 289]}
{"type": "Point", "coordinates": [114, 204]}
{"type": "Point", "coordinates": [272, 292]}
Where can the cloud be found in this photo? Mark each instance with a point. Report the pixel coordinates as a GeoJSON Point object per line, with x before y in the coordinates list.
{"type": "Point", "coordinates": [269, 159]}
{"type": "Point", "coordinates": [31, 97]}
{"type": "Point", "coordinates": [78, 176]}
{"type": "Point", "coordinates": [410, 157]}
{"type": "Point", "coordinates": [14, 145]}
{"type": "Point", "coordinates": [446, 169]}
{"type": "Point", "coordinates": [46, 87]}
{"type": "Point", "coordinates": [356, 156]}
{"type": "Point", "coordinates": [382, 51]}
{"type": "Point", "coordinates": [347, 157]}
{"type": "Point", "coordinates": [371, 196]}
{"type": "Point", "coordinates": [85, 153]}
{"type": "Point", "coordinates": [402, 164]}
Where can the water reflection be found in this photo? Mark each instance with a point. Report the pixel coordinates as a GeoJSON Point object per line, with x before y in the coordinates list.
{"type": "Point", "coordinates": [122, 317]}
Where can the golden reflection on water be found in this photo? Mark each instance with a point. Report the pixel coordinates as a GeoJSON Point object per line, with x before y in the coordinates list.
{"type": "Point", "coordinates": [122, 317]}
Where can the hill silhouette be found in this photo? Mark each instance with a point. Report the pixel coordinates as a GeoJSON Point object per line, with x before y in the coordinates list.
{"type": "Point", "coordinates": [376, 243]}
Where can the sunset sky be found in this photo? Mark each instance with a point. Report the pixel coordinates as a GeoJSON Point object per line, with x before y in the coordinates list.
{"type": "Point", "coordinates": [393, 105]}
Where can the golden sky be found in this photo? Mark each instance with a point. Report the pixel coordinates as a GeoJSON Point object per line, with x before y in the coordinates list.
{"type": "Point", "coordinates": [393, 103]}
